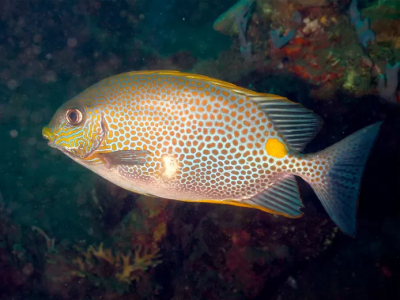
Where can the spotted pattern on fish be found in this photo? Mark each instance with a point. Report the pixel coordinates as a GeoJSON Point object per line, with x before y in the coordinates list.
{"type": "Point", "coordinates": [204, 128]}
{"type": "Point", "coordinates": [193, 138]}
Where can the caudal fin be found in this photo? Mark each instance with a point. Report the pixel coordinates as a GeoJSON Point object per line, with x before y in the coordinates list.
{"type": "Point", "coordinates": [338, 187]}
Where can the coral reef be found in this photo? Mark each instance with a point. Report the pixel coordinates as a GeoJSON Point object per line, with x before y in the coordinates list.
{"type": "Point", "coordinates": [240, 248]}
{"type": "Point", "coordinates": [279, 42]}
{"type": "Point", "coordinates": [314, 41]}
{"type": "Point", "coordinates": [108, 270]}
{"type": "Point", "coordinates": [130, 269]}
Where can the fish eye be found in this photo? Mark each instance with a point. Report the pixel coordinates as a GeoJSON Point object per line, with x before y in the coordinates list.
{"type": "Point", "coordinates": [73, 116]}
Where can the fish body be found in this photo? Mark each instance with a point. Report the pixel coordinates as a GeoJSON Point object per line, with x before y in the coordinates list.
{"type": "Point", "coordinates": [193, 138]}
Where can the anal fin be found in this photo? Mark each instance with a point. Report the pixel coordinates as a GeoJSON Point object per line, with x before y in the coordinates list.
{"type": "Point", "coordinates": [282, 198]}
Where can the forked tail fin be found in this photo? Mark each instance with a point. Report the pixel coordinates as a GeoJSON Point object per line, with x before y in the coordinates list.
{"type": "Point", "coordinates": [338, 188]}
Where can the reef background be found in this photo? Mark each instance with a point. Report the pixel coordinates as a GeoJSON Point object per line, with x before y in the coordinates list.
{"type": "Point", "coordinates": [65, 233]}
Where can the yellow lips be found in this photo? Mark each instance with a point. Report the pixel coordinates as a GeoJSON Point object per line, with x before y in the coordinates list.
{"type": "Point", "coordinates": [47, 133]}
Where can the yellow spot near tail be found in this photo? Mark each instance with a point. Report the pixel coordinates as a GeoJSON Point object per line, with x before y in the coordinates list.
{"type": "Point", "coordinates": [275, 148]}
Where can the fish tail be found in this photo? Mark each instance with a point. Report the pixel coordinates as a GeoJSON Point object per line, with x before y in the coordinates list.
{"type": "Point", "coordinates": [337, 182]}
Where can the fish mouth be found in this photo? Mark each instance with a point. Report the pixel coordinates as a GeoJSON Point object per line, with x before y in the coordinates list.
{"type": "Point", "coordinates": [46, 133]}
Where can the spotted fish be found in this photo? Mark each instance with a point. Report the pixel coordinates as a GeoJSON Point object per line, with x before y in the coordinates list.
{"type": "Point", "coordinates": [193, 138]}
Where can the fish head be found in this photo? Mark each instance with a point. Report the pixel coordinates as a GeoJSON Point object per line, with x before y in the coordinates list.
{"type": "Point", "coordinates": [77, 128]}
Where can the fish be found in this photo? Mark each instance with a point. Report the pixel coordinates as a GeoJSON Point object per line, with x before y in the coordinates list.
{"type": "Point", "coordinates": [193, 138]}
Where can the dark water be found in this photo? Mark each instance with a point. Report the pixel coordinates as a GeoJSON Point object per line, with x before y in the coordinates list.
{"type": "Point", "coordinates": [65, 233]}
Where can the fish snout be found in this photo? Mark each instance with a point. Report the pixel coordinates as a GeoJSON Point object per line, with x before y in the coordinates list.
{"type": "Point", "coordinates": [46, 132]}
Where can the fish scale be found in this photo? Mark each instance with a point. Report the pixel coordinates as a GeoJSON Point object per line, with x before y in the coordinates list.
{"type": "Point", "coordinates": [193, 138]}
{"type": "Point", "coordinates": [207, 129]}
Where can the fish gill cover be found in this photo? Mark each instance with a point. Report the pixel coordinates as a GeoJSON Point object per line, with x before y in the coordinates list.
{"type": "Point", "coordinates": [65, 233]}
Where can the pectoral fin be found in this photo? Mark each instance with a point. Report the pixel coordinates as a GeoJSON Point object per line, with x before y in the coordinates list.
{"type": "Point", "coordinates": [125, 157]}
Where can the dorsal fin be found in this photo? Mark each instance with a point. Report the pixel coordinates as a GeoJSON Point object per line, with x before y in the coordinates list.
{"type": "Point", "coordinates": [296, 124]}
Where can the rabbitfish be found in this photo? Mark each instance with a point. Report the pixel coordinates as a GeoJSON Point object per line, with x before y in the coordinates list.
{"type": "Point", "coordinates": [193, 138]}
